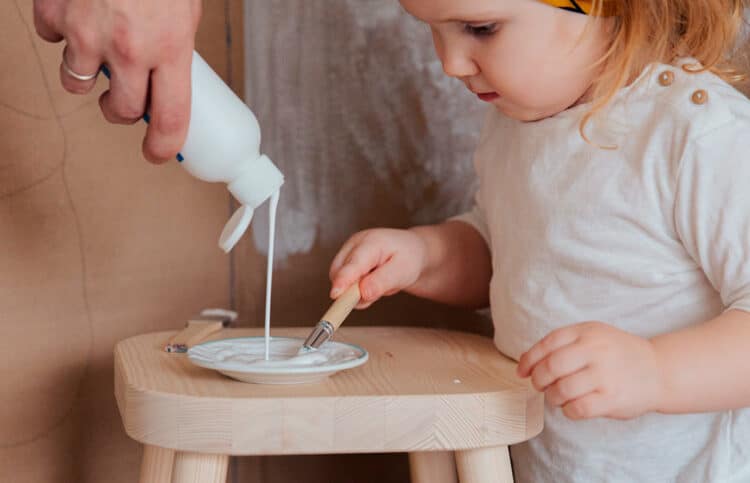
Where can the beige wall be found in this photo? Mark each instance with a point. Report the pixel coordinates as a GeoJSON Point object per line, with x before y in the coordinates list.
{"type": "Point", "coordinates": [95, 245]}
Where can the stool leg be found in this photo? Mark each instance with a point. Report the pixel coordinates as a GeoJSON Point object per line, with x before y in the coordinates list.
{"type": "Point", "coordinates": [484, 465]}
{"type": "Point", "coordinates": [432, 467]}
{"type": "Point", "coordinates": [200, 468]}
{"type": "Point", "coordinates": [156, 466]}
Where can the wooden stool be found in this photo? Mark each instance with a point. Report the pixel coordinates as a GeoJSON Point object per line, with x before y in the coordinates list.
{"type": "Point", "coordinates": [423, 391]}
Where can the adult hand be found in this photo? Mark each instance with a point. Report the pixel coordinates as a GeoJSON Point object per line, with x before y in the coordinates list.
{"type": "Point", "coordinates": [594, 370]}
{"type": "Point", "coordinates": [147, 46]}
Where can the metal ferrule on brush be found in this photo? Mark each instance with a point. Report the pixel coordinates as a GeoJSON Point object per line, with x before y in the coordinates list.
{"type": "Point", "coordinates": [320, 334]}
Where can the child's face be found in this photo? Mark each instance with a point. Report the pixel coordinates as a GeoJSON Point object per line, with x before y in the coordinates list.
{"type": "Point", "coordinates": [528, 59]}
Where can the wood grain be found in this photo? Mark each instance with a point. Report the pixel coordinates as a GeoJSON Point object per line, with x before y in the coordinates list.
{"type": "Point", "coordinates": [421, 390]}
{"type": "Point", "coordinates": [94, 240]}
{"type": "Point", "coordinates": [484, 465]}
{"type": "Point", "coordinates": [157, 464]}
{"type": "Point", "coordinates": [342, 307]}
{"type": "Point", "coordinates": [200, 468]}
{"type": "Point", "coordinates": [433, 467]}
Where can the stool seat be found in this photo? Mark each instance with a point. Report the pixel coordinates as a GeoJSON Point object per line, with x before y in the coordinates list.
{"type": "Point", "coordinates": [421, 390]}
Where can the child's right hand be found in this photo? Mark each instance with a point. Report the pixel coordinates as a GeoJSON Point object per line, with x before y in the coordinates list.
{"type": "Point", "coordinates": [384, 261]}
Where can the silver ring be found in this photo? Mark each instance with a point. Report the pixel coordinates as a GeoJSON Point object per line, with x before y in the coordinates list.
{"type": "Point", "coordinates": [73, 73]}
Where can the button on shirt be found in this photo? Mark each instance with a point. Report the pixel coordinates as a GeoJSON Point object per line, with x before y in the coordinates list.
{"type": "Point", "coordinates": [650, 237]}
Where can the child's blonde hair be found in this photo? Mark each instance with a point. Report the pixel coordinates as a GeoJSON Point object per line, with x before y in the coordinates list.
{"type": "Point", "coordinates": [647, 31]}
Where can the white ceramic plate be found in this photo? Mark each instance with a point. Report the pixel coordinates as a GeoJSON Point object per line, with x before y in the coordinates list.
{"type": "Point", "coordinates": [243, 358]}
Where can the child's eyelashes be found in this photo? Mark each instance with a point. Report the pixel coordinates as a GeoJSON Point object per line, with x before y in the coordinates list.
{"type": "Point", "coordinates": [480, 30]}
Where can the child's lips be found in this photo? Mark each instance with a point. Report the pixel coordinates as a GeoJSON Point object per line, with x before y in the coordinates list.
{"type": "Point", "coordinates": [488, 96]}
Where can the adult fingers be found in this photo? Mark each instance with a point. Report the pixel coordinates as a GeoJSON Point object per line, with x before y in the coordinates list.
{"type": "Point", "coordinates": [170, 109]}
{"type": "Point", "coordinates": [79, 68]}
{"type": "Point", "coordinates": [46, 15]}
{"type": "Point", "coordinates": [570, 387]}
{"type": "Point", "coordinates": [551, 342]}
{"type": "Point", "coordinates": [560, 363]}
{"type": "Point", "coordinates": [125, 101]}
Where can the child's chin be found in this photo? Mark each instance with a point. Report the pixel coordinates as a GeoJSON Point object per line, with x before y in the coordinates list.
{"type": "Point", "coordinates": [521, 115]}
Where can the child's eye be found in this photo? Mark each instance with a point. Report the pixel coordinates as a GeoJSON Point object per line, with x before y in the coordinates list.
{"type": "Point", "coordinates": [484, 30]}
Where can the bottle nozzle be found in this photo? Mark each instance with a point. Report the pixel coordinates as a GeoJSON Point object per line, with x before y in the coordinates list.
{"type": "Point", "coordinates": [259, 180]}
{"type": "Point", "coordinates": [257, 183]}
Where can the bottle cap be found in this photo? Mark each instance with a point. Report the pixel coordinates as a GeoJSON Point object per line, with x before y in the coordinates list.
{"type": "Point", "coordinates": [257, 182]}
{"type": "Point", "coordinates": [235, 228]}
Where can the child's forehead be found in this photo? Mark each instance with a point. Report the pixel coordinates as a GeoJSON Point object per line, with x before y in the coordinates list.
{"type": "Point", "coordinates": [435, 11]}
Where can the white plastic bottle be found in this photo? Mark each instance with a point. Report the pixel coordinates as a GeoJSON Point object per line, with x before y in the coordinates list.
{"type": "Point", "coordinates": [223, 144]}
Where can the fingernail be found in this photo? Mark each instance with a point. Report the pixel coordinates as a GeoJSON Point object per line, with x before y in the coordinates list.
{"type": "Point", "coordinates": [335, 292]}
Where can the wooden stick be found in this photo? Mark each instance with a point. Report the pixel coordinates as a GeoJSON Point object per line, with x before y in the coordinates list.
{"type": "Point", "coordinates": [196, 331]}
{"type": "Point", "coordinates": [156, 465]}
{"type": "Point", "coordinates": [484, 464]}
{"type": "Point", "coordinates": [433, 467]}
{"type": "Point", "coordinates": [342, 306]}
{"type": "Point", "coordinates": [200, 468]}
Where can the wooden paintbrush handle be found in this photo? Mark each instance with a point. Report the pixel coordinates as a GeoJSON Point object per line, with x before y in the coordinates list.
{"type": "Point", "coordinates": [195, 332]}
{"type": "Point", "coordinates": [342, 306]}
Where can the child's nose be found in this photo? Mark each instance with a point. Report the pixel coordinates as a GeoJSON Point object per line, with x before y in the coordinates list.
{"type": "Point", "coordinates": [458, 64]}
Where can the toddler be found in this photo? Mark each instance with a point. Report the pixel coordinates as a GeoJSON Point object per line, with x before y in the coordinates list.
{"type": "Point", "coordinates": [611, 231]}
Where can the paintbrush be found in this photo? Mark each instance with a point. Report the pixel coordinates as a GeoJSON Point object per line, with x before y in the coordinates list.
{"type": "Point", "coordinates": [198, 328]}
{"type": "Point", "coordinates": [332, 319]}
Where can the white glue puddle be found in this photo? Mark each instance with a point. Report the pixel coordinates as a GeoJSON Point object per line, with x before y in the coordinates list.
{"type": "Point", "coordinates": [274, 360]}
{"type": "Point", "coordinates": [248, 351]}
{"type": "Point", "coordinates": [243, 358]}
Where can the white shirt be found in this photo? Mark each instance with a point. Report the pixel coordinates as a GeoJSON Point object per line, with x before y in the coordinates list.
{"type": "Point", "coordinates": [651, 237]}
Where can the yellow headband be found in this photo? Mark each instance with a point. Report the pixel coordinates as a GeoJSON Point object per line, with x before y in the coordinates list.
{"type": "Point", "coordinates": [579, 6]}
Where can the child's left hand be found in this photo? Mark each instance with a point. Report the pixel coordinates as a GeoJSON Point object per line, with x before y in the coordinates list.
{"type": "Point", "coordinates": [594, 370]}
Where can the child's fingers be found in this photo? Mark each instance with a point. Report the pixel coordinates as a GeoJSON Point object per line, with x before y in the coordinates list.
{"type": "Point", "coordinates": [572, 387]}
{"type": "Point", "coordinates": [549, 343]}
{"type": "Point", "coordinates": [343, 254]}
{"type": "Point", "coordinates": [363, 305]}
{"type": "Point", "coordinates": [387, 279]}
{"type": "Point", "coordinates": [345, 277]}
{"type": "Point", "coordinates": [338, 261]}
{"type": "Point", "coordinates": [559, 364]}
{"type": "Point", "coordinates": [360, 262]}
{"type": "Point", "coordinates": [592, 405]}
